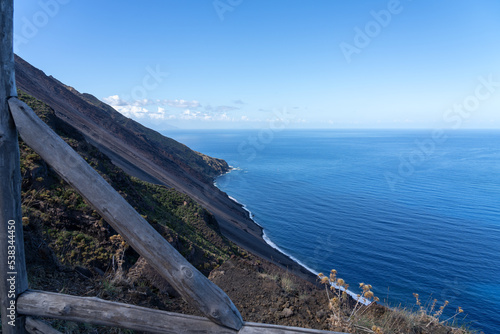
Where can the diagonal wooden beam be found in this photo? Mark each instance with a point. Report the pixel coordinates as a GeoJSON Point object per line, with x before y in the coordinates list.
{"type": "Point", "coordinates": [186, 279]}
{"type": "Point", "coordinates": [13, 276]}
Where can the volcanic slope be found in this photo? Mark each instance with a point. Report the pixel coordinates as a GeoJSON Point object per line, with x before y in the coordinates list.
{"type": "Point", "coordinates": [152, 157]}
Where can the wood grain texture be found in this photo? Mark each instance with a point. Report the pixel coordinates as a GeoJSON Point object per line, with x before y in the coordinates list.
{"type": "Point", "coordinates": [102, 312]}
{"type": "Point", "coordinates": [255, 328]}
{"type": "Point", "coordinates": [187, 280]}
{"type": "Point", "coordinates": [13, 276]}
{"type": "Point", "coordinates": [34, 326]}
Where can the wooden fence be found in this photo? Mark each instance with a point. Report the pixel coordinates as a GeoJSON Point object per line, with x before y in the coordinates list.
{"type": "Point", "coordinates": [18, 303]}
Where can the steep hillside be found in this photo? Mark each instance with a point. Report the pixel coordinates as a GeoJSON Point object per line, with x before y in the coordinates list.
{"type": "Point", "coordinates": [151, 157]}
{"type": "Point", "coordinates": [71, 249]}
{"type": "Point", "coordinates": [79, 236]}
{"type": "Point", "coordinates": [84, 111]}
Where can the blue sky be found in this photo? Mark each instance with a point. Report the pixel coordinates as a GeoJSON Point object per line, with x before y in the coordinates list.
{"type": "Point", "coordinates": [248, 64]}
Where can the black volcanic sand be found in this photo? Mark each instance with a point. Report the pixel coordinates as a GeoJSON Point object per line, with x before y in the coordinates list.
{"type": "Point", "coordinates": [243, 231]}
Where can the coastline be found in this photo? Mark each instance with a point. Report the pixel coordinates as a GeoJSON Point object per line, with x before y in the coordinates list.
{"type": "Point", "coordinates": [268, 240]}
{"type": "Point", "coordinates": [258, 243]}
{"type": "Point", "coordinates": [304, 271]}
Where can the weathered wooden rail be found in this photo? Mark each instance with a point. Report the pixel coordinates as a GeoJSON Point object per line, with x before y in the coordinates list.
{"type": "Point", "coordinates": [18, 303]}
{"type": "Point", "coordinates": [102, 312]}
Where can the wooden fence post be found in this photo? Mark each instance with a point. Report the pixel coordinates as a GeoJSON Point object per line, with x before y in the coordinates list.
{"type": "Point", "coordinates": [13, 276]}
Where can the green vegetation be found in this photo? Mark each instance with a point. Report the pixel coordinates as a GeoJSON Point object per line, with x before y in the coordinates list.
{"type": "Point", "coordinates": [67, 239]}
{"type": "Point", "coordinates": [78, 235]}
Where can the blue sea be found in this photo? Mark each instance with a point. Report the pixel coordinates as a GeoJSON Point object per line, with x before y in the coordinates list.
{"type": "Point", "coordinates": [405, 211]}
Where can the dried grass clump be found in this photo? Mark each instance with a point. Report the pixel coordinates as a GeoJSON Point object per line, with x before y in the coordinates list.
{"type": "Point", "coordinates": [361, 314]}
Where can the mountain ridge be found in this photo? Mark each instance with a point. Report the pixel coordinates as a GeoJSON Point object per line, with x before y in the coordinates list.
{"type": "Point", "coordinates": [151, 157]}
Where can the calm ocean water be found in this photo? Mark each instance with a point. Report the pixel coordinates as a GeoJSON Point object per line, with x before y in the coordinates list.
{"type": "Point", "coordinates": [405, 211]}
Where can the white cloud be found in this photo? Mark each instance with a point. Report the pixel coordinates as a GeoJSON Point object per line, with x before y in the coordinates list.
{"type": "Point", "coordinates": [135, 109]}
{"type": "Point", "coordinates": [161, 114]}
{"type": "Point", "coordinates": [189, 115]}
{"type": "Point", "coordinates": [114, 100]}
{"type": "Point", "coordinates": [204, 116]}
{"type": "Point", "coordinates": [132, 111]}
{"type": "Point", "coordinates": [155, 110]}
{"type": "Point", "coordinates": [142, 103]}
